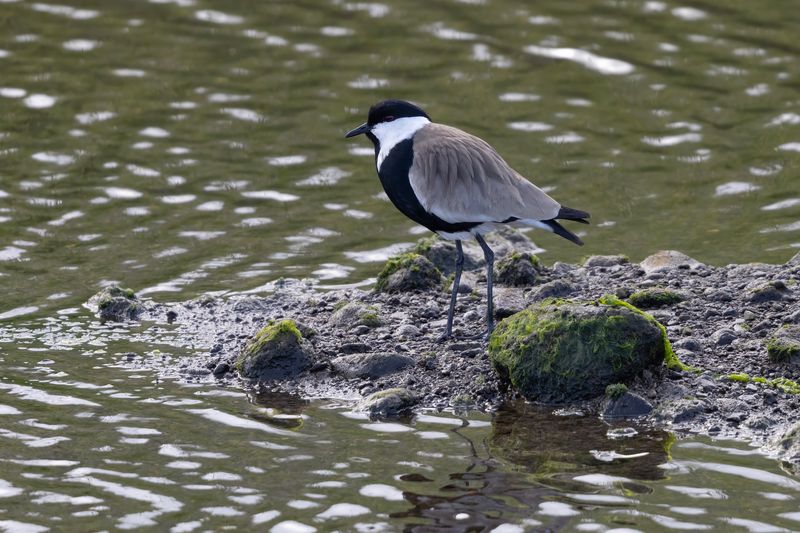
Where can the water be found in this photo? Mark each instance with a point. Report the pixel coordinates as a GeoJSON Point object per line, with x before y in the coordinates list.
{"type": "Point", "coordinates": [181, 148]}
{"type": "Point", "coordinates": [91, 440]}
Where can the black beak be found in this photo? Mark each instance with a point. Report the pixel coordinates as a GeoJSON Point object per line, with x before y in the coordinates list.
{"type": "Point", "coordinates": [364, 128]}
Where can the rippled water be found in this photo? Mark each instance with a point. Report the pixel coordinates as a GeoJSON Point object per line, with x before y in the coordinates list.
{"type": "Point", "coordinates": [91, 441]}
{"type": "Point", "coordinates": [180, 147]}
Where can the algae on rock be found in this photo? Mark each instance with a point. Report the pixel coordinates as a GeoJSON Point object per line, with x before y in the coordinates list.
{"type": "Point", "coordinates": [653, 298]}
{"type": "Point", "coordinates": [355, 314]}
{"type": "Point", "coordinates": [784, 345]}
{"type": "Point", "coordinates": [277, 351]}
{"type": "Point", "coordinates": [517, 269]}
{"type": "Point", "coordinates": [115, 304]}
{"type": "Point", "coordinates": [562, 351]}
{"type": "Point", "coordinates": [408, 272]}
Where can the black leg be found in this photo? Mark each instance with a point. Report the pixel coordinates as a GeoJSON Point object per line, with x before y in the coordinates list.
{"type": "Point", "coordinates": [488, 254]}
{"type": "Point", "coordinates": [456, 280]}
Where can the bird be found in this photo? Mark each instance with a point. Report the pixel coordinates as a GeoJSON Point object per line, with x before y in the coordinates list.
{"type": "Point", "coordinates": [456, 185]}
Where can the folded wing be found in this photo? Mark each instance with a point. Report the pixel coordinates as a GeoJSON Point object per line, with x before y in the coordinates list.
{"type": "Point", "coordinates": [460, 178]}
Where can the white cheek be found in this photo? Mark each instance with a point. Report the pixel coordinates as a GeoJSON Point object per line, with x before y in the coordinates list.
{"type": "Point", "coordinates": [391, 133]}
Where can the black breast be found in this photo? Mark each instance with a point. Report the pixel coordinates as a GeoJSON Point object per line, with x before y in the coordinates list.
{"type": "Point", "coordinates": [393, 173]}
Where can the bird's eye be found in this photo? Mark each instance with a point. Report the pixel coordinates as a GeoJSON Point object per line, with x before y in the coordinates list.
{"type": "Point", "coordinates": [389, 118]}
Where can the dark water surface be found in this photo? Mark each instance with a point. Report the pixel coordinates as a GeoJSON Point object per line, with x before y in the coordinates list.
{"type": "Point", "coordinates": [186, 147]}
{"type": "Point", "coordinates": [92, 442]}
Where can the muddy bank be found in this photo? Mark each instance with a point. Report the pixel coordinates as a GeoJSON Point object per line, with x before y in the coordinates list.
{"type": "Point", "coordinates": [730, 324]}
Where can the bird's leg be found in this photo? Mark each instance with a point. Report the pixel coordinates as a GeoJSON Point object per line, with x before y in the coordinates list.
{"type": "Point", "coordinates": [488, 254]}
{"type": "Point", "coordinates": [456, 280]}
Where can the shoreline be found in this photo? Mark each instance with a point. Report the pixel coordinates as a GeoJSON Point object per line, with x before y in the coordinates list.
{"type": "Point", "coordinates": [363, 342]}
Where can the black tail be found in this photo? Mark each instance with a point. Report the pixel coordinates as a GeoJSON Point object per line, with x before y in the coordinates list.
{"type": "Point", "coordinates": [567, 213]}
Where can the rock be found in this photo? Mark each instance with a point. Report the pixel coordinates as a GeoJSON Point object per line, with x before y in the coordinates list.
{"type": "Point", "coordinates": [407, 331]}
{"type": "Point", "coordinates": [787, 446]}
{"type": "Point", "coordinates": [769, 292]}
{"type": "Point", "coordinates": [517, 269]}
{"type": "Point", "coordinates": [221, 369]}
{"type": "Point", "coordinates": [353, 347]}
{"type": "Point", "coordinates": [408, 272]}
{"type": "Point", "coordinates": [356, 314]}
{"type": "Point", "coordinates": [689, 343]}
{"type": "Point", "coordinates": [442, 254]}
{"type": "Point", "coordinates": [605, 261]}
{"type": "Point", "coordinates": [370, 365]}
{"type": "Point", "coordinates": [784, 345]}
{"type": "Point", "coordinates": [277, 351]}
{"type": "Point", "coordinates": [388, 403]}
{"type": "Point", "coordinates": [667, 260]}
{"type": "Point", "coordinates": [653, 298]}
{"type": "Point", "coordinates": [629, 405]}
{"type": "Point", "coordinates": [795, 260]}
{"type": "Point", "coordinates": [554, 289]}
{"type": "Point", "coordinates": [723, 337]}
{"type": "Point", "coordinates": [508, 301]}
{"type": "Point", "coordinates": [115, 304]}
{"type": "Point", "coordinates": [682, 410]}
{"type": "Point", "coordinates": [562, 351]}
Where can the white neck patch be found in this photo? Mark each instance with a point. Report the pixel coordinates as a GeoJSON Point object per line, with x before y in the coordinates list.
{"type": "Point", "coordinates": [391, 133]}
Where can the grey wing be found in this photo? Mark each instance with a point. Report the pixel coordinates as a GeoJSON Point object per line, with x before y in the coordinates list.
{"type": "Point", "coordinates": [460, 178]}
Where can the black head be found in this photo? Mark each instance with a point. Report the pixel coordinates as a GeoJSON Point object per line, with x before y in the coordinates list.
{"type": "Point", "coordinates": [388, 111]}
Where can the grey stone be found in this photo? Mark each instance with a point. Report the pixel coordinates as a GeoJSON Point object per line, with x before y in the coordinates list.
{"type": "Point", "coordinates": [629, 405]}
{"type": "Point", "coordinates": [769, 292]}
{"type": "Point", "coordinates": [388, 403]}
{"type": "Point", "coordinates": [370, 365]}
{"type": "Point", "coordinates": [508, 301]}
{"type": "Point", "coordinates": [667, 260]}
{"type": "Point", "coordinates": [605, 260]}
{"type": "Point", "coordinates": [554, 289]}
{"type": "Point", "coordinates": [356, 314]}
{"type": "Point", "coordinates": [723, 337]}
{"type": "Point", "coordinates": [689, 343]}
{"type": "Point", "coordinates": [407, 331]}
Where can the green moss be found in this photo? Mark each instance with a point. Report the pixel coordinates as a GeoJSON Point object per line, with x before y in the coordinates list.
{"type": "Point", "coordinates": [670, 359]}
{"type": "Point", "coordinates": [462, 400]}
{"type": "Point", "coordinates": [370, 317]}
{"type": "Point", "coordinates": [575, 354]}
{"type": "Point", "coordinates": [786, 385]}
{"type": "Point", "coordinates": [652, 298]}
{"type": "Point", "coordinates": [423, 245]}
{"type": "Point", "coordinates": [407, 260]}
{"type": "Point", "coordinates": [268, 333]}
{"type": "Point", "coordinates": [669, 442]}
{"type": "Point", "coordinates": [338, 305]}
{"type": "Point", "coordinates": [616, 390]}
{"type": "Point", "coordinates": [783, 384]}
{"type": "Point", "coordinates": [741, 377]}
{"type": "Point", "coordinates": [781, 348]}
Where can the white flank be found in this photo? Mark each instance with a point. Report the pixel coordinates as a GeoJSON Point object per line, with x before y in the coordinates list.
{"type": "Point", "coordinates": [391, 133]}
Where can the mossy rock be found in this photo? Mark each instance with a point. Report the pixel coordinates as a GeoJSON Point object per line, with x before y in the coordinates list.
{"type": "Point", "coordinates": [388, 403]}
{"type": "Point", "coordinates": [784, 345]}
{"type": "Point", "coordinates": [787, 446]}
{"type": "Point", "coordinates": [654, 298]}
{"type": "Point", "coordinates": [277, 351]}
{"type": "Point", "coordinates": [355, 314]}
{"type": "Point", "coordinates": [517, 269]}
{"type": "Point", "coordinates": [115, 304]}
{"type": "Point", "coordinates": [408, 272]}
{"type": "Point", "coordinates": [565, 351]}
